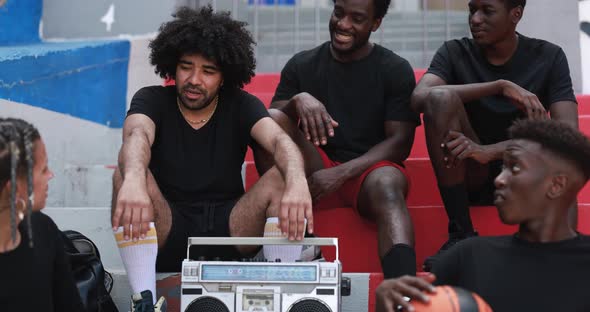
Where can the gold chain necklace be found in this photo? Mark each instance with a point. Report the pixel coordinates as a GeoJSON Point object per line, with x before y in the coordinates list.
{"type": "Point", "coordinates": [198, 122]}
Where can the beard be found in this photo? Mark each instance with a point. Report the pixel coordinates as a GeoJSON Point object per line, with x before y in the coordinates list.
{"type": "Point", "coordinates": [193, 97]}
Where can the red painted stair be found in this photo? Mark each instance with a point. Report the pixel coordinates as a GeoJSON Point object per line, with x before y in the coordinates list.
{"type": "Point", "coordinates": [359, 245]}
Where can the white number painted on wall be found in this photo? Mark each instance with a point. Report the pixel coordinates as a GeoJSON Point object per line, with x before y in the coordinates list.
{"type": "Point", "coordinates": [109, 17]}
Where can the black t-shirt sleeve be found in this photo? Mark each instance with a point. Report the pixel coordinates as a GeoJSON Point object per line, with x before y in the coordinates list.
{"type": "Point", "coordinates": [441, 65]}
{"type": "Point", "coordinates": [146, 102]}
{"type": "Point", "coordinates": [447, 267]}
{"type": "Point", "coordinates": [560, 86]}
{"type": "Point", "coordinates": [252, 110]}
{"type": "Point", "coordinates": [398, 96]}
{"type": "Point", "coordinates": [289, 82]}
{"type": "Point", "coordinates": [65, 292]}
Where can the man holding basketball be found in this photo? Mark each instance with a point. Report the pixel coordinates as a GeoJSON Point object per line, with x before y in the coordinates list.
{"type": "Point", "coordinates": [472, 92]}
{"type": "Point", "coordinates": [544, 266]}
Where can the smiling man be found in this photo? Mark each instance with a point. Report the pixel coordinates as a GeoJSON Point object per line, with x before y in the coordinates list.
{"type": "Point", "coordinates": [473, 91]}
{"type": "Point", "coordinates": [544, 266]}
{"type": "Point", "coordinates": [346, 103]}
{"type": "Point", "coordinates": [183, 148]}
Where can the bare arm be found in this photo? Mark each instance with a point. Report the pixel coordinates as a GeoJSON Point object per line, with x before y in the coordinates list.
{"type": "Point", "coordinates": [133, 206]}
{"type": "Point", "coordinates": [523, 99]}
{"type": "Point", "coordinates": [316, 123]}
{"type": "Point", "coordinates": [460, 147]}
{"type": "Point", "coordinates": [296, 201]}
{"type": "Point", "coordinates": [138, 136]}
{"type": "Point", "coordinates": [287, 107]}
{"type": "Point", "coordinates": [467, 92]}
{"type": "Point", "coordinates": [566, 111]}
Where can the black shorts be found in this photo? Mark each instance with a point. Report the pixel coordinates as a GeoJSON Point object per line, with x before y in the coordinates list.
{"type": "Point", "coordinates": [202, 219]}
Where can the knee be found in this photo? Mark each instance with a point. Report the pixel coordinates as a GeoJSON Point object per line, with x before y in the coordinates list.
{"type": "Point", "coordinates": [386, 185]}
{"type": "Point", "coordinates": [279, 117]}
{"type": "Point", "coordinates": [441, 104]}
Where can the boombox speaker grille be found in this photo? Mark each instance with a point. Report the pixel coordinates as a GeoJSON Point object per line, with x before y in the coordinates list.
{"type": "Point", "coordinates": [206, 304]}
{"type": "Point", "coordinates": [309, 305]}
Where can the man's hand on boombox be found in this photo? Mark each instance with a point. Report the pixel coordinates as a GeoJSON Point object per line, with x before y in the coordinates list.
{"type": "Point", "coordinates": [295, 208]}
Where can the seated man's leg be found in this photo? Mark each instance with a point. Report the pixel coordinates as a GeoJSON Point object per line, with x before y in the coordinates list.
{"type": "Point", "coordinates": [312, 158]}
{"type": "Point", "coordinates": [255, 215]}
{"type": "Point", "coordinates": [444, 111]}
{"type": "Point", "coordinates": [139, 257]}
{"type": "Point", "coordinates": [382, 199]}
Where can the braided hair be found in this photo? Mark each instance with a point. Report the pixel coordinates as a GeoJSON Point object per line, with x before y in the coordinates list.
{"type": "Point", "coordinates": [17, 138]}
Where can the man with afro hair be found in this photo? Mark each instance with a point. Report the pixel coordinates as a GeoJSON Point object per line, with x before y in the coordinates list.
{"type": "Point", "coordinates": [473, 91]}
{"type": "Point", "coordinates": [180, 164]}
{"type": "Point", "coordinates": [544, 265]}
{"type": "Point", "coordinates": [346, 103]}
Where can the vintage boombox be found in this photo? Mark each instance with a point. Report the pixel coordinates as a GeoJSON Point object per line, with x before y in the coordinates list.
{"type": "Point", "coordinates": [232, 286]}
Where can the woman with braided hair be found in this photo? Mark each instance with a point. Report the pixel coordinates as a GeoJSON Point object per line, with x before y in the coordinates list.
{"type": "Point", "coordinates": [35, 274]}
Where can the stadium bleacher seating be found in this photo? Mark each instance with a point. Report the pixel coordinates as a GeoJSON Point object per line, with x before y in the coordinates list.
{"type": "Point", "coordinates": [358, 247]}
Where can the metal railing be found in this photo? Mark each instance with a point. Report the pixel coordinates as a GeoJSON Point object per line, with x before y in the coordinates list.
{"type": "Point", "coordinates": [282, 28]}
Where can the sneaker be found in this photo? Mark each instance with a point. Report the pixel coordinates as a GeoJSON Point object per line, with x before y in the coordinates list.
{"type": "Point", "coordinates": [143, 302]}
{"type": "Point", "coordinates": [454, 238]}
{"type": "Point", "coordinates": [311, 253]}
{"type": "Point", "coordinates": [161, 305]}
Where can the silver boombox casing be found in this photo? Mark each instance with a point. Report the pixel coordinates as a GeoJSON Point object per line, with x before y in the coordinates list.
{"type": "Point", "coordinates": [201, 292]}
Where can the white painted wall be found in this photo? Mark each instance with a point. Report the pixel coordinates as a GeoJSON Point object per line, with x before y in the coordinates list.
{"type": "Point", "coordinates": [585, 47]}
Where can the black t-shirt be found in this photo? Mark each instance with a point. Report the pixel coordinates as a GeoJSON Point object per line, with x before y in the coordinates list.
{"type": "Point", "coordinates": [360, 95]}
{"type": "Point", "coordinates": [39, 278]}
{"type": "Point", "coordinates": [206, 164]}
{"type": "Point", "coordinates": [537, 66]}
{"type": "Point", "coordinates": [515, 275]}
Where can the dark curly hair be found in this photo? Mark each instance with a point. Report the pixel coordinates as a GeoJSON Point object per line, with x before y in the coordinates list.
{"type": "Point", "coordinates": [381, 7]}
{"type": "Point", "coordinates": [558, 137]}
{"type": "Point", "coordinates": [214, 35]}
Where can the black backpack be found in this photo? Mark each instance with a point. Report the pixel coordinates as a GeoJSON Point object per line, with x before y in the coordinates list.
{"type": "Point", "coordinates": [94, 283]}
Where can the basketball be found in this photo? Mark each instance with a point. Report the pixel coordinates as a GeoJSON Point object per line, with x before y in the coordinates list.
{"type": "Point", "coordinates": [452, 299]}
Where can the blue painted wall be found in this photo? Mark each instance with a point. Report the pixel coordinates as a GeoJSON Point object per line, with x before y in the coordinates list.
{"type": "Point", "coordinates": [87, 80]}
{"type": "Point", "coordinates": [19, 21]}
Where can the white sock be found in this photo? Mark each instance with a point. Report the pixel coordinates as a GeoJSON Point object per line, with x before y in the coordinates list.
{"type": "Point", "coordinates": [287, 253]}
{"type": "Point", "coordinates": [139, 259]}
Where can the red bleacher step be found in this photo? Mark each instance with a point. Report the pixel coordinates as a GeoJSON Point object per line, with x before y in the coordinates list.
{"type": "Point", "coordinates": [423, 189]}
{"type": "Point", "coordinates": [358, 238]}
{"type": "Point", "coordinates": [583, 104]}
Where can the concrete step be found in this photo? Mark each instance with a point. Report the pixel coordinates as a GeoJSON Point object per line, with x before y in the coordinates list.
{"type": "Point", "coordinates": [61, 89]}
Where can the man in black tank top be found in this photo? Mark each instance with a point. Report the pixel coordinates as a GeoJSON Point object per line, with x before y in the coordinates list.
{"type": "Point", "coordinates": [471, 94]}
{"type": "Point", "coordinates": [543, 266]}
{"type": "Point", "coordinates": [351, 99]}
{"type": "Point", "coordinates": [183, 149]}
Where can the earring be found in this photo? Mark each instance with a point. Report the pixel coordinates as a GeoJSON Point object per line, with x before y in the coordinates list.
{"type": "Point", "coordinates": [21, 212]}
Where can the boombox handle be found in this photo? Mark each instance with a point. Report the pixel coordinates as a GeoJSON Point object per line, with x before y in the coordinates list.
{"type": "Point", "coordinates": [312, 241]}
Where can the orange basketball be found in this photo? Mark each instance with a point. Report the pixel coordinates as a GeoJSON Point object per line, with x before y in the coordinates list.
{"type": "Point", "coordinates": [452, 299]}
